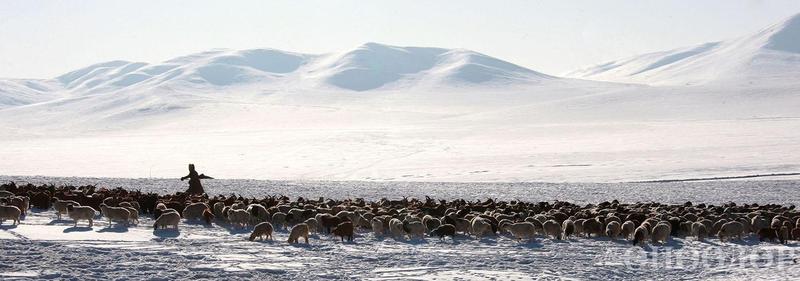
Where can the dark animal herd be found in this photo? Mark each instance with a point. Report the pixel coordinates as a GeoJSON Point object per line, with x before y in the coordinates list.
{"type": "Point", "coordinates": [414, 218]}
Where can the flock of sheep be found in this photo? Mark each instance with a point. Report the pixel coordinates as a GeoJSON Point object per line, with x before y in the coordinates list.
{"type": "Point", "coordinates": [411, 218]}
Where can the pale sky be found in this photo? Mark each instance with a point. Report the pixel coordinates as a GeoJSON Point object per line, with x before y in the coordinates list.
{"type": "Point", "coordinates": [43, 39]}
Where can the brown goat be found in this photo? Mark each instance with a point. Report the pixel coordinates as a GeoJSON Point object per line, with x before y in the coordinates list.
{"type": "Point", "coordinates": [343, 230]}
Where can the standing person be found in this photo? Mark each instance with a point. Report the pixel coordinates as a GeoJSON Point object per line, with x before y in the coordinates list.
{"type": "Point", "coordinates": [195, 187]}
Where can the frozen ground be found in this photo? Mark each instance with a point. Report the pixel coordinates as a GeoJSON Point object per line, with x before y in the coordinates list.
{"type": "Point", "coordinates": [44, 248]}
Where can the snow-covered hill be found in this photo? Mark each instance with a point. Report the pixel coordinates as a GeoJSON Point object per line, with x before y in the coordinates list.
{"type": "Point", "coordinates": [769, 57]}
{"type": "Point", "coordinates": [367, 67]}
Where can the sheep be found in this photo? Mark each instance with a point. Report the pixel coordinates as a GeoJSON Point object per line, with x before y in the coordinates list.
{"type": "Point", "coordinates": [4, 194]}
{"type": "Point", "coordinates": [125, 205]}
{"type": "Point", "coordinates": [796, 233]}
{"type": "Point", "coordinates": [640, 235]}
{"type": "Point", "coordinates": [661, 233]}
{"type": "Point", "coordinates": [377, 226]}
{"type": "Point", "coordinates": [783, 234]}
{"type": "Point", "coordinates": [430, 222]}
{"type": "Point", "coordinates": [613, 229]}
{"type": "Point", "coordinates": [767, 234]}
{"type": "Point", "coordinates": [158, 212]}
{"type": "Point", "coordinates": [118, 214]}
{"type": "Point", "coordinates": [61, 206]}
{"type": "Point", "coordinates": [194, 211]}
{"type": "Point", "coordinates": [592, 226]}
{"type": "Point", "coordinates": [757, 223]}
{"type": "Point", "coordinates": [21, 202]}
{"type": "Point", "coordinates": [279, 220]}
{"type": "Point", "coordinates": [480, 226]}
{"type": "Point", "coordinates": [462, 225]}
{"type": "Point", "coordinates": [730, 229]}
{"type": "Point", "coordinates": [353, 217]}
{"type": "Point", "coordinates": [238, 217]}
{"type": "Point", "coordinates": [160, 206]}
{"type": "Point", "coordinates": [552, 228]}
{"type": "Point", "coordinates": [217, 209]}
{"type": "Point", "coordinates": [258, 213]}
{"type": "Point", "coordinates": [77, 213]}
{"type": "Point", "coordinates": [396, 228]}
{"type": "Point", "coordinates": [261, 230]}
{"type": "Point", "coordinates": [299, 230]}
{"type": "Point", "coordinates": [414, 229]}
{"type": "Point", "coordinates": [328, 222]}
{"type": "Point", "coordinates": [10, 213]}
{"type": "Point", "coordinates": [569, 228]}
{"type": "Point", "coordinates": [134, 214]}
{"type": "Point", "coordinates": [444, 230]}
{"type": "Point", "coordinates": [313, 226]}
{"type": "Point", "coordinates": [208, 216]}
{"type": "Point", "coordinates": [343, 230]}
{"type": "Point", "coordinates": [578, 226]}
{"type": "Point", "coordinates": [699, 230]}
{"type": "Point", "coordinates": [167, 219]}
{"type": "Point", "coordinates": [628, 227]}
{"type": "Point", "coordinates": [296, 215]}
{"type": "Point", "coordinates": [522, 230]}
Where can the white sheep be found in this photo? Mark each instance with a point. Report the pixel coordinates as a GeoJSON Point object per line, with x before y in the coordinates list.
{"type": "Point", "coordinates": [640, 235]}
{"type": "Point", "coordinates": [522, 230]}
{"type": "Point", "coordinates": [299, 230]}
{"type": "Point", "coordinates": [352, 216]}
{"type": "Point", "coordinates": [628, 227]}
{"type": "Point", "coordinates": [160, 206]}
{"type": "Point", "coordinates": [261, 230]}
{"type": "Point", "coordinates": [313, 225]}
{"type": "Point", "coordinates": [480, 226]}
{"type": "Point", "coordinates": [377, 226]}
{"type": "Point", "coordinates": [10, 213]}
{"type": "Point", "coordinates": [167, 219]}
{"type": "Point", "coordinates": [238, 217]}
{"type": "Point", "coordinates": [396, 228]}
{"type": "Point", "coordinates": [78, 213]}
{"type": "Point", "coordinates": [61, 206]}
{"type": "Point", "coordinates": [661, 232]}
{"type": "Point", "coordinates": [218, 209]}
{"type": "Point", "coordinates": [731, 229]}
{"type": "Point", "coordinates": [613, 229]}
{"type": "Point", "coordinates": [758, 222]}
{"type": "Point", "coordinates": [117, 214]}
{"type": "Point", "coordinates": [134, 218]}
{"type": "Point", "coordinates": [194, 211]}
{"type": "Point", "coordinates": [415, 229]}
{"type": "Point", "coordinates": [552, 228]}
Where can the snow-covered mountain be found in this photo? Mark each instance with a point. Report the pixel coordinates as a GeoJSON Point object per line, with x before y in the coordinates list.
{"type": "Point", "coordinates": [367, 67]}
{"type": "Point", "coordinates": [768, 57]}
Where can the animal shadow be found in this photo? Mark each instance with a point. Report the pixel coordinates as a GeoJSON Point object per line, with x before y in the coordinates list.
{"type": "Point", "coordinates": [77, 229]}
{"type": "Point", "coordinates": [167, 233]}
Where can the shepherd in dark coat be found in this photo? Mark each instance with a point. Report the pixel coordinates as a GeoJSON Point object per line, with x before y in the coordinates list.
{"type": "Point", "coordinates": [195, 187]}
